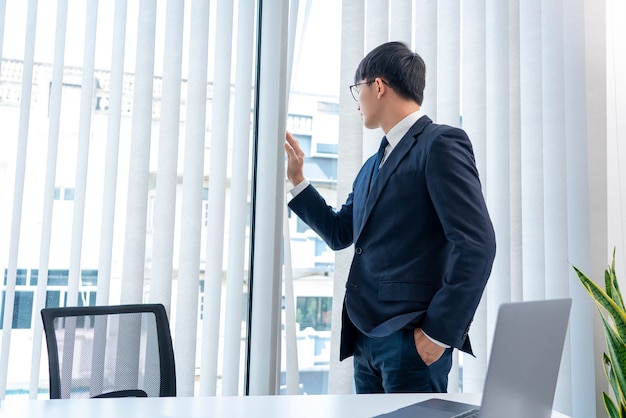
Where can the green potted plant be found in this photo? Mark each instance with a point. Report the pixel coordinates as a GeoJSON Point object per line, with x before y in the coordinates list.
{"type": "Point", "coordinates": [611, 307]}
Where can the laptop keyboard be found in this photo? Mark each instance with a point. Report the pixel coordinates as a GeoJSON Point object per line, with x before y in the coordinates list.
{"type": "Point", "coordinates": [472, 413]}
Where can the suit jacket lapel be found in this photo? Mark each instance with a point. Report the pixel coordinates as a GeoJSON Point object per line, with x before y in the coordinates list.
{"type": "Point", "coordinates": [391, 163]}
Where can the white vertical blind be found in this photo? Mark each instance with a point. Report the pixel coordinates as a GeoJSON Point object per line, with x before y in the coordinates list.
{"type": "Point", "coordinates": [167, 169]}
{"type": "Point", "coordinates": [167, 174]}
{"type": "Point", "coordinates": [474, 77]}
{"type": "Point", "coordinates": [137, 203]}
{"type": "Point", "coordinates": [191, 211]}
{"type": "Point", "coordinates": [82, 157]}
{"type": "Point", "coordinates": [292, 372]}
{"type": "Point", "coordinates": [496, 149]}
{"type": "Point", "coordinates": [449, 94]}
{"type": "Point", "coordinates": [616, 87]}
{"type": "Point", "coordinates": [376, 32]}
{"type": "Point", "coordinates": [401, 19]}
{"type": "Point", "coordinates": [376, 24]}
{"type": "Point", "coordinates": [425, 44]}
{"type": "Point", "coordinates": [112, 152]}
{"type": "Point", "coordinates": [215, 240]}
{"type": "Point", "coordinates": [3, 9]}
{"type": "Point", "coordinates": [579, 181]}
{"type": "Point", "coordinates": [515, 146]}
{"type": "Point", "coordinates": [18, 191]}
{"type": "Point", "coordinates": [238, 200]}
{"type": "Point", "coordinates": [556, 253]}
{"type": "Point", "coordinates": [448, 62]}
{"type": "Point", "coordinates": [56, 87]}
{"type": "Point", "coordinates": [592, 16]}
{"type": "Point", "coordinates": [84, 134]}
{"type": "Point", "coordinates": [141, 133]}
{"type": "Point", "coordinates": [533, 234]}
{"type": "Point", "coordinates": [351, 150]}
{"type": "Point", "coordinates": [265, 329]}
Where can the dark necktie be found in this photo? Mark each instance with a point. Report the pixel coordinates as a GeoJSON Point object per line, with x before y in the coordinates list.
{"type": "Point", "coordinates": [379, 158]}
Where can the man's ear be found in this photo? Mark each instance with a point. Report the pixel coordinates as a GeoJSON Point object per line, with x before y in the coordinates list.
{"type": "Point", "coordinates": [381, 87]}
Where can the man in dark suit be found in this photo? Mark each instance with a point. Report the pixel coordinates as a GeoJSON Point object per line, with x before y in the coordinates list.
{"type": "Point", "coordinates": [423, 241]}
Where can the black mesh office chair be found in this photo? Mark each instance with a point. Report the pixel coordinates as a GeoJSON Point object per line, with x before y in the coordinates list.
{"type": "Point", "coordinates": [109, 351]}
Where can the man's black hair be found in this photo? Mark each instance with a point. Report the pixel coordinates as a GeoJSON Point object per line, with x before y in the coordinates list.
{"type": "Point", "coordinates": [402, 69]}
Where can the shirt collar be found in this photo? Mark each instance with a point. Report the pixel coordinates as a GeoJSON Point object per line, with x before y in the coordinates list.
{"type": "Point", "coordinates": [400, 129]}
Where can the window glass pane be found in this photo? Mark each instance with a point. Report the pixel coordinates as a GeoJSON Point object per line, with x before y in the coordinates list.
{"type": "Point", "coordinates": [300, 225]}
{"type": "Point", "coordinates": [314, 121]}
{"type": "Point", "coordinates": [53, 298]}
{"type": "Point", "coordinates": [89, 277]}
{"type": "Point", "coordinates": [22, 310]}
{"type": "Point", "coordinates": [34, 276]}
{"type": "Point", "coordinates": [68, 194]}
{"type": "Point", "coordinates": [57, 277]}
{"type": "Point", "coordinates": [314, 312]}
{"type": "Point", "coordinates": [20, 277]}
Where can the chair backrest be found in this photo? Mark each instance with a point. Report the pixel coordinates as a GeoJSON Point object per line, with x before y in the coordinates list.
{"type": "Point", "coordinates": [109, 351]}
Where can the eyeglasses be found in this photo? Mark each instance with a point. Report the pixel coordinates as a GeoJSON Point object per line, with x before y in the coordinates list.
{"type": "Point", "coordinates": [354, 89]}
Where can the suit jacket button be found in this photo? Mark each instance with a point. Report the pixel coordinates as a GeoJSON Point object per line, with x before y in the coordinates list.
{"type": "Point", "coordinates": [358, 250]}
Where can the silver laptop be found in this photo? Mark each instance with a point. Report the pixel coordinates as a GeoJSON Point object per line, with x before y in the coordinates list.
{"type": "Point", "coordinates": [523, 367]}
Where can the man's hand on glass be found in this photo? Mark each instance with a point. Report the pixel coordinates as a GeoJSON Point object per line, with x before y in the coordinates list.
{"type": "Point", "coordinates": [295, 160]}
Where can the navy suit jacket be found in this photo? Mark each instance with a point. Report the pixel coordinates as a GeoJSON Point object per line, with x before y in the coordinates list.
{"type": "Point", "coordinates": [423, 240]}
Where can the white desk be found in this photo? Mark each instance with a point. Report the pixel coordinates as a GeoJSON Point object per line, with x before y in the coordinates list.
{"type": "Point", "coordinates": [312, 406]}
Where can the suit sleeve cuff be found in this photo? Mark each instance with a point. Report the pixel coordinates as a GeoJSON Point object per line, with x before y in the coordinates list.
{"type": "Point", "coordinates": [439, 343]}
{"type": "Point", "coordinates": [299, 188]}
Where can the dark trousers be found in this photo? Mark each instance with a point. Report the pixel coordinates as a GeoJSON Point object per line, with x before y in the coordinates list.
{"type": "Point", "coordinates": [392, 365]}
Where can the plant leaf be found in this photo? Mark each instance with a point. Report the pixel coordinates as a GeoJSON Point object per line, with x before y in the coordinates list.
{"type": "Point", "coordinates": [617, 353]}
{"type": "Point", "coordinates": [602, 299]}
{"type": "Point", "coordinates": [611, 305]}
{"type": "Point", "coordinates": [609, 372]}
{"type": "Point", "coordinates": [610, 406]}
{"type": "Point", "coordinates": [608, 284]}
{"type": "Point", "coordinates": [617, 294]}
